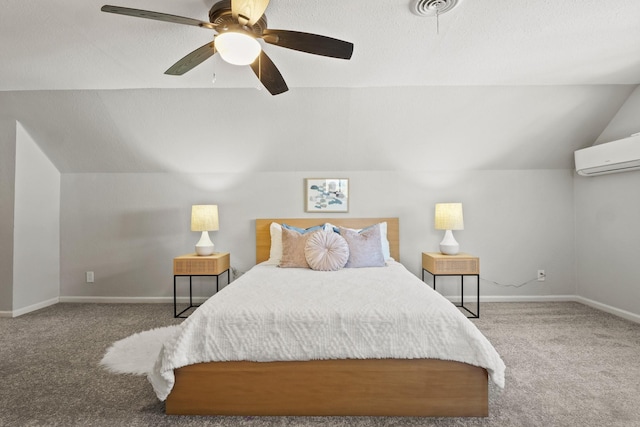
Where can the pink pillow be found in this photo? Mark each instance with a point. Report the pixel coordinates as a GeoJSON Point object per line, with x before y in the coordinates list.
{"type": "Point", "coordinates": [293, 249]}
{"type": "Point", "coordinates": [326, 251]}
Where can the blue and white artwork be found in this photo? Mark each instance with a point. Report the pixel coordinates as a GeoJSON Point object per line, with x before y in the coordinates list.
{"type": "Point", "coordinates": [327, 195]}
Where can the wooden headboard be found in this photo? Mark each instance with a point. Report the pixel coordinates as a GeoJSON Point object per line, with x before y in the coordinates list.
{"type": "Point", "coordinates": [263, 236]}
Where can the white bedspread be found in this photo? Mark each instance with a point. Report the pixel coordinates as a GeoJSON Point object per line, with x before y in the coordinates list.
{"type": "Point", "coordinates": [273, 313]}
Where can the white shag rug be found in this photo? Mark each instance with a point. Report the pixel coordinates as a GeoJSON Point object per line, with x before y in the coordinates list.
{"type": "Point", "coordinates": [137, 353]}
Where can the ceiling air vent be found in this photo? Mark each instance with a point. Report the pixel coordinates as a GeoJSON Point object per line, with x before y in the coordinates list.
{"type": "Point", "coordinates": [432, 7]}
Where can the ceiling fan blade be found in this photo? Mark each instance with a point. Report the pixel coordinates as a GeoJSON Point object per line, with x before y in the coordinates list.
{"type": "Point", "coordinates": [248, 12]}
{"type": "Point", "coordinates": [309, 43]}
{"type": "Point", "coordinates": [192, 59]}
{"type": "Point", "coordinates": [138, 13]}
{"type": "Point", "coordinates": [268, 74]}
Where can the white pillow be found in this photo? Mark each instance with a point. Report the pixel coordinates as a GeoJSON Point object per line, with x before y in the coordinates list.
{"type": "Point", "coordinates": [326, 251]}
{"type": "Point", "coordinates": [275, 252]}
{"type": "Point", "coordinates": [384, 242]}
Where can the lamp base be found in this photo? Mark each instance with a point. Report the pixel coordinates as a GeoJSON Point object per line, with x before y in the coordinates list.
{"type": "Point", "coordinates": [204, 246]}
{"type": "Point", "coordinates": [449, 245]}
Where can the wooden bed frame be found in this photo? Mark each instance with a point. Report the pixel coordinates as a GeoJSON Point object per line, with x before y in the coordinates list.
{"type": "Point", "coordinates": [375, 387]}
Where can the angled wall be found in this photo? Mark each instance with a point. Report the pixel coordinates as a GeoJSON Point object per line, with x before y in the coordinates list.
{"type": "Point", "coordinates": [7, 193]}
{"type": "Point", "coordinates": [608, 227]}
{"type": "Point", "coordinates": [36, 243]}
{"type": "Point", "coordinates": [29, 223]}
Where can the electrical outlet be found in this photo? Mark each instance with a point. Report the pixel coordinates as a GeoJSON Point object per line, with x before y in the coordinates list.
{"type": "Point", "coordinates": [90, 277]}
{"type": "Point", "coordinates": [541, 276]}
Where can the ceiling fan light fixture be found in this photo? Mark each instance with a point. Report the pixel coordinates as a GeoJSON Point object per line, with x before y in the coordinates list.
{"type": "Point", "coordinates": [238, 24]}
{"type": "Point", "coordinates": [237, 48]}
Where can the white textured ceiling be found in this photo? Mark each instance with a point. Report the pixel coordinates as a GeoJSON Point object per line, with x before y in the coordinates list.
{"type": "Point", "coordinates": [70, 44]}
{"type": "Point", "coordinates": [506, 84]}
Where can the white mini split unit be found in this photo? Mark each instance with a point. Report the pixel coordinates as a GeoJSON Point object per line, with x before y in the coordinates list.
{"type": "Point", "coordinates": [622, 155]}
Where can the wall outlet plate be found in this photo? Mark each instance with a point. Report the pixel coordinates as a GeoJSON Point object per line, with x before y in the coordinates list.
{"type": "Point", "coordinates": [89, 276]}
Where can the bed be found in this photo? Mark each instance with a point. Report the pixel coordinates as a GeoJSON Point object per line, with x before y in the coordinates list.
{"type": "Point", "coordinates": [351, 385]}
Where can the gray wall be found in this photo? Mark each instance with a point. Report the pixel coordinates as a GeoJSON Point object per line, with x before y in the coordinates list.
{"type": "Point", "coordinates": [500, 151]}
{"type": "Point", "coordinates": [36, 266]}
{"type": "Point", "coordinates": [608, 225]}
{"type": "Point", "coordinates": [128, 227]}
{"type": "Point", "coordinates": [7, 193]}
{"type": "Point", "coordinates": [608, 239]}
{"type": "Point", "coordinates": [365, 129]}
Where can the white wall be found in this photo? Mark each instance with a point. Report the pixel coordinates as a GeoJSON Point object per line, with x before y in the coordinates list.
{"type": "Point", "coordinates": [608, 227]}
{"type": "Point", "coordinates": [128, 227]}
{"type": "Point", "coordinates": [608, 239]}
{"type": "Point", "coordinates": [36, 264]}
{"type": "Point", "coordinates": [400, 157]}
{"type": "Point", "coordinates": [244, 130]}
{"type": "Point", "coordinates": [625, 122]}
{"type": "Point", "coordinates": [7, 191]}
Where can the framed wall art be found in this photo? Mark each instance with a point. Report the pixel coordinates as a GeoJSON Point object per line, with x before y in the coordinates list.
{"type": "Point", "coordinates": [326, 195]}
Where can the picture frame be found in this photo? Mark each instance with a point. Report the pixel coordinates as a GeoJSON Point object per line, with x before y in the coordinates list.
{"type": "Point", "coordinates": [326, 195]}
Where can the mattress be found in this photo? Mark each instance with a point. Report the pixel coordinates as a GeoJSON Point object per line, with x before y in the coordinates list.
{"type": "Point", "coordinates": [284, 314]}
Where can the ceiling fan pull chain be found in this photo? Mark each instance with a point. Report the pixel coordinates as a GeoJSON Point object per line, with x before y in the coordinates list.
{"type": "Point", "coordinates": [438, 21]}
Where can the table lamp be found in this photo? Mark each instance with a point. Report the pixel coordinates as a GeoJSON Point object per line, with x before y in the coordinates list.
{"type": "Point", "coordinates": [449, 217]}
{"type": "Point", "coordinates": [204, 218]}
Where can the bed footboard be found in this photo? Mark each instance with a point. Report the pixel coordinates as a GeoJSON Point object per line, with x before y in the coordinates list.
{"type": "Point", "coordinates": [374, 387]}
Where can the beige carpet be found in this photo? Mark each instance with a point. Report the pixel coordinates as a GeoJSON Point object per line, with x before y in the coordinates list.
{"type": "Point", "coordinates": [567, 365]}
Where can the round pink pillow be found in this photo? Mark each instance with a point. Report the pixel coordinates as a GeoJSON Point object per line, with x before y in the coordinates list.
{"type": "Point", "coordinates": [326, 251]}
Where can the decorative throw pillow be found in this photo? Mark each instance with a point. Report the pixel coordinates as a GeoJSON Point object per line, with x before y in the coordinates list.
{"type": "Point", "coordinates": [365, 249]}
{"type": "Point", "coordinates": [293, 249]}
{"type": "Point", "coordinates": [302, 230]}
{"type": "Point", "coordinates": [326, 251]}
{"type": "Point", "coordinates": [384, 241]}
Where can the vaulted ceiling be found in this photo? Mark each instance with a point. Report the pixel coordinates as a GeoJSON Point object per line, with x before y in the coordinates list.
{"type": "Point", "coordinates": [508, 83]}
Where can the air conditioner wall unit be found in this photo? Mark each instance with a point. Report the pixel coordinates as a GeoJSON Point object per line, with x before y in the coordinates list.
{"type": "Point", "coordinates": [622, 155]}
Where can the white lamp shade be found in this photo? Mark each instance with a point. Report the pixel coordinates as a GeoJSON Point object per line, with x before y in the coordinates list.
{"type": "Point", "coordinates": [237, 48]}
{"type": "Point", "coordinates": [204, 218]}
{"type": "Point", "coordinates": [449, 216]}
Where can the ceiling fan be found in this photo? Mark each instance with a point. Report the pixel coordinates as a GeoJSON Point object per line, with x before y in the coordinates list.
{"type": "Point", "coordinates": [237, 25]}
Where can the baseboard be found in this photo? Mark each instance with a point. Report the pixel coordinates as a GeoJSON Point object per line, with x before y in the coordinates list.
{"type": "Point", "coordinates": [455, 299]}
{"type": "Point", "coordinates": [513, 298]}
{"type": "Point", "coordinates": [528, 298]}
{"type": "Point", "coordinates": [131, 300]}
{"type": "Point", "coordinates": [30, 308]}
{"type": "Point", "coordinates": [609, 309]}
{"type": "Point", "coordinates": [182, 300]}
{"type": "Point", "coordinates": [551, 298]}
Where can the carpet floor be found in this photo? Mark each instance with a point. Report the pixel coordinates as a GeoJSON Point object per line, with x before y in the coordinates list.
{"type": "Point", "coordinates": [567, 365]}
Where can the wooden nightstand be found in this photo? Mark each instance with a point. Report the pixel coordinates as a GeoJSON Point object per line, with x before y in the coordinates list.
{"type": "Point", "coordinates": [462, 265]}
{"type": "Point", "coordinates": [193, 265]}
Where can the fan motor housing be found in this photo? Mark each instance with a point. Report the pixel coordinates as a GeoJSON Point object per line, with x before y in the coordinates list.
{"type": "Point", "coordinates": [220, 15]}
